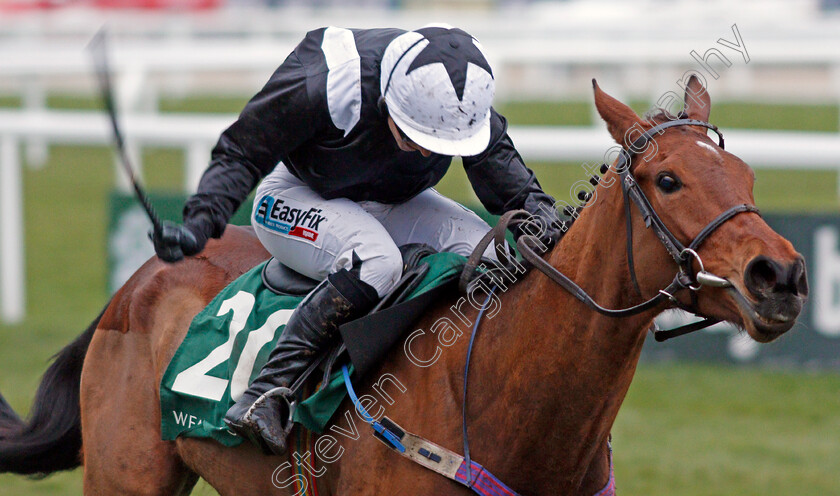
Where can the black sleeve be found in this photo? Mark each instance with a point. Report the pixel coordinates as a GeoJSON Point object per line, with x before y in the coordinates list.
{"type": "Point", "coordinates": [276, 121]}
{"type": "Point", "coordinates": [500, 178]}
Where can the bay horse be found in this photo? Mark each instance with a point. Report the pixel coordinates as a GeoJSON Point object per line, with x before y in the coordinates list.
{"type": "Point", "coordinates": [549, 374]}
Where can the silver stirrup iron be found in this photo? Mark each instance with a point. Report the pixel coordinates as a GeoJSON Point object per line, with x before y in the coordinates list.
{"type": "Point", "coordinates": [284, 393]}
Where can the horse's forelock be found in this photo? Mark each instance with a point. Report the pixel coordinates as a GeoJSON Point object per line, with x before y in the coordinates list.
{"type": "Point", "coordinates": [658, 115]}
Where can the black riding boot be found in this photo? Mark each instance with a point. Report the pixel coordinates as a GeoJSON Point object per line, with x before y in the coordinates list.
{"type": "Point", "coordinates": [263, 412]}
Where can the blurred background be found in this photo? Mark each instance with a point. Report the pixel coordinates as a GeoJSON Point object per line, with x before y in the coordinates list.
{"type": "Point", "coordinates": [709, 413]}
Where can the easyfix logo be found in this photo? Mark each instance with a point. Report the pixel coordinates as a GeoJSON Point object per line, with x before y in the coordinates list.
{"type": "Point", "coordinates": [275, 214]}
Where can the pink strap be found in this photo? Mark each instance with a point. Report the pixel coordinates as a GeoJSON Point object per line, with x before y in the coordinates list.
{"type": "Point", "coordinates": [483, 482]}
{"type": "Point", "coordinates": [609, 489]}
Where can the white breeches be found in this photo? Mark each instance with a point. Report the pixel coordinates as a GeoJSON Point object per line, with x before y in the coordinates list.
{"type": "Point", "coordinates": [317, 237]}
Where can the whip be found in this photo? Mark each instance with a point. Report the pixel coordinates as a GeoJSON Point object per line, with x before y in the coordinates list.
{"type": "Point", "coordinates": [99, 52]}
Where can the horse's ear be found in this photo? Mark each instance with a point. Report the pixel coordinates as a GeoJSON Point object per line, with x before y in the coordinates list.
{"type": "Point", "coordinates": [698, 104]}
{"type": "Point", "coordinates": [619, 117]}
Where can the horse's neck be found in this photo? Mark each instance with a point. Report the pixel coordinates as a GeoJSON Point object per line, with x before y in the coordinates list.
{"type": "Point", "coordinates": [557, 371]}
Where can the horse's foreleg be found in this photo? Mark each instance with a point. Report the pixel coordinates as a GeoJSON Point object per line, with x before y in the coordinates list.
{"type": "Point", "coordinates": [122, 449]}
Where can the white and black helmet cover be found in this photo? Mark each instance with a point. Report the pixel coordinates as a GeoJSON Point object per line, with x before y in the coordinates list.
{"type": "Point", "coordinates": [439, 87]}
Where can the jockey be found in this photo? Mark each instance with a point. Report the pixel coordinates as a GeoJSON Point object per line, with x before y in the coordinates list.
{"type": "Point", "coordinates": [348, 137]}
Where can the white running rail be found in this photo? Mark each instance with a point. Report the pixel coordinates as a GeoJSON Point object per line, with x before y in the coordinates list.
{"type": "Point", "coordinates": [196, 134]}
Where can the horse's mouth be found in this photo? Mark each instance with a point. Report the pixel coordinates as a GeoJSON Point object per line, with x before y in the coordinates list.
{"type": "Point", "coordinates": [767, 319]}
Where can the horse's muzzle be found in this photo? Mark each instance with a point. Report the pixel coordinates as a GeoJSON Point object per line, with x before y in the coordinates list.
{"type": "Point", "coordinates": [777, 292]}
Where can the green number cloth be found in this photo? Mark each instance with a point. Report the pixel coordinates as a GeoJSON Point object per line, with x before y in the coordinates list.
{"type": "Point", "coordinates": [226, 346]}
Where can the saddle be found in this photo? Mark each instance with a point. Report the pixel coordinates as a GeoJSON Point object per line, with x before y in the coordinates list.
{"type": "Point", "coordinates": [366, 340]}
{"type": "Point", "coordinates": [281, 280]}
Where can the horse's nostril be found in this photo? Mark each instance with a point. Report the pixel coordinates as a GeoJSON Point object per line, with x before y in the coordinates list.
{"type": "Point", "coordinates": [761, 275]}
{"type": "Point", "coordinates": [799, 278]}
{"type": "Point", "coordinates": [765, 275]}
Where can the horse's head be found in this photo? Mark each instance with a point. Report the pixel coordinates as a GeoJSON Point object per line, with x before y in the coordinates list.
{"type": "Point", "coordinates": [689, 181]}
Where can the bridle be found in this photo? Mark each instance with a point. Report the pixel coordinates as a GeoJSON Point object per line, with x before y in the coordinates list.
{"type": "Point", "coordinates": [683, 255]}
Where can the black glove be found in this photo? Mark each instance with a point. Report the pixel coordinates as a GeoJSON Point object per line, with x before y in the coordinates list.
{"type": "Point", "coordinates": [544, 224]}
{"type": "Point", "coordinates": [174, 241]}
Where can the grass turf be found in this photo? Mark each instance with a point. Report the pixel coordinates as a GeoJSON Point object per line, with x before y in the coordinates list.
{"type": "Point", "coordinates": [684, 429]}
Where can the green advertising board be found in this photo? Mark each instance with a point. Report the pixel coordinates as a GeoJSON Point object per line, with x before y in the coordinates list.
{"type": "Point", "coordinates": [813, 343]}
{"type": "Point", "coordinates": [129, 245]}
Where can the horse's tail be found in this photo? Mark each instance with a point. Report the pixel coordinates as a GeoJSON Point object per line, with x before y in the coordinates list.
{"type": "Point", "coordinates": [51, 438]}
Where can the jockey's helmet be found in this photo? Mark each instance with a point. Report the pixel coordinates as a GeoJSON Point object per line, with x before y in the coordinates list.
{"type": "Point", "coordinates": [438, 87]}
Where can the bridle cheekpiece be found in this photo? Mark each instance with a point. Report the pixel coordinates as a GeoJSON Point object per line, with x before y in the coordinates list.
{"type": "Point", "coordinates": [683, 255]}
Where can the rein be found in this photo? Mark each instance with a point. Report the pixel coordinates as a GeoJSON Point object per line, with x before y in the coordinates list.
{"type": "Point", "coordinates": [683, 255]}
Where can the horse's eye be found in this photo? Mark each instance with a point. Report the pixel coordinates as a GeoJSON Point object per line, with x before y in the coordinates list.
{"type": "Point", "coordinates": [668, 183]}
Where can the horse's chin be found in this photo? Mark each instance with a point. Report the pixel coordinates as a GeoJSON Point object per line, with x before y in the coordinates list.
{"type": "Point", "coordinates": [766, 321]}
{"type": "Point", "coordinates": [765, 331]}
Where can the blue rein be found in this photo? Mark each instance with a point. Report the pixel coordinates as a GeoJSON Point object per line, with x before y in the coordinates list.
{"type": "Point", "coordinates": [466, 377]}
{"type": "Point", "coordinates": [388, 435]}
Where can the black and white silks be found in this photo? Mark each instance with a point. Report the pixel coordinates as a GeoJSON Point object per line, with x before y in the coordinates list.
{"type": "Point", "coordinates": [318, 115]}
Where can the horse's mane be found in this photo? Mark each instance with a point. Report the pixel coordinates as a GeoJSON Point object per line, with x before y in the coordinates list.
{"type": "Point", "coordinates": [656, 115]}
{"type": "Point", "coordinates": [569, 214]}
